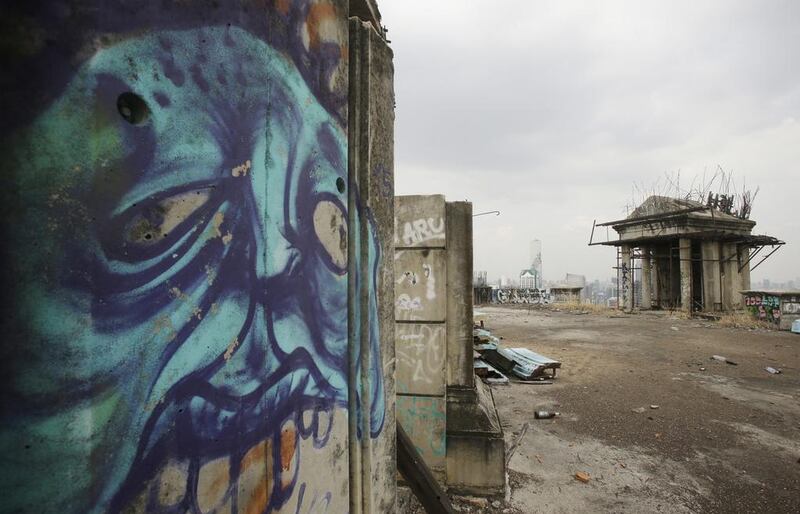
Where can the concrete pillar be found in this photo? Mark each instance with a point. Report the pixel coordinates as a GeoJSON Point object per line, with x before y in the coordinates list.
{"type": "Point", "coordinates": [459, 295]}
{"type": "Point", "coordinates": [646, 278]}
{"type": "Point", "coordinates": [712, 297]}
{"type": "Point", "coordinates": [373, 480]}
{"type": "Point", "coordinates": [744, 253]}
{"type": "Point", "coordinates": [685, 250]}
{"type": "Point", "coordinates": [655, 280]}
{"type": "Point", "coordinates": [731, 299]}
{"type": "Point", "coordinates": [626, 279]}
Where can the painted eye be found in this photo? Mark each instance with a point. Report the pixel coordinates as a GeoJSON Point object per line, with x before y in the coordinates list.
{"type": "Point", "coordinates": [157, 221]}
{"type": "Point", "coordinates": [330, 225]}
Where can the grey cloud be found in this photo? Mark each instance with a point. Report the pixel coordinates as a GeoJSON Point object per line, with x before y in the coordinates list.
{"type": "Point", "coordinates": [551, 111]}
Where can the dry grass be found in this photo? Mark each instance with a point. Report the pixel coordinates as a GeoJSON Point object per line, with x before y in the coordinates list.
{"type": "Point", "coordinates": [743, 319]}
{"type": "Point", "coordinates": [580, 307]}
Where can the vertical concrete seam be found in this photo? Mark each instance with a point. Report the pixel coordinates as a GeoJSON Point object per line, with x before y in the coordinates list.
{"type": "Point", "coordinates": [354, 459]}
{"type": "Point", "coordinates": [366, 249]}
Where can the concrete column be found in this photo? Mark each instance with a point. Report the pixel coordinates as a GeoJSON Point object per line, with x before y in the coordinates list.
{"type": "Point", "coordinates": [626, 279]}
{"type": "Point", "coordinates": [731, 299]}
{"type": "Point", "coordinates": [744, 278]}
{"type": "Point", "coordinates": [459, 294]}
{"type": "Point", "coordinates": [685, 249]}
{"type": "Point", "coordinates": [373, 480]}
{"type": "Point", "coordinates": [646, 277]}
{"type": "Point", "coordinates": [712, 297]}
{"type": "Point", "coordinates": [655, 279]}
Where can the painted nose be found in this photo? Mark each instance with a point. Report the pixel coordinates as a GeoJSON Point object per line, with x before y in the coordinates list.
{"type": "Point", "coordinates": [272, 209]}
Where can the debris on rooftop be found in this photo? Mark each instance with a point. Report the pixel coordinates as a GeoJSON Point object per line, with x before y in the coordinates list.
{"type": "Point", "coordinates": [488, 373]}
{"type": "Point", "coordinates": [495, 363]}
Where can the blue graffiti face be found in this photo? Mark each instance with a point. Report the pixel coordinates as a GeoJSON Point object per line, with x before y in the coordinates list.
{"type": "Point", "coordinates": [191, 292]}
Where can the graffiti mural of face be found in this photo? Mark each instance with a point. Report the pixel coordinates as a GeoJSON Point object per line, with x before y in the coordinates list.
{"type": "Point", "coordinates": [185, 301]}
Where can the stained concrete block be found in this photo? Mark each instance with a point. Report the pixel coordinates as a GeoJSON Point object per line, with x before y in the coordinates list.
{"type": "Point", "coordinates": [476, 451]}
{"type": "Point", "coordinates": [419, 221]}
{"type": "Point", "coordinates": [420, 350]}
{"type": "Point", "coordinates": [423, 418]}
{"type": "Point", "coordinates": [420, 285]}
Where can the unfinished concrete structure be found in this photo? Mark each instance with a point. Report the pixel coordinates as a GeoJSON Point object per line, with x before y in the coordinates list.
{"type": "Point", "coordinates": [450, 418]}
{"type": "Point", "coordinates": [690, 256]}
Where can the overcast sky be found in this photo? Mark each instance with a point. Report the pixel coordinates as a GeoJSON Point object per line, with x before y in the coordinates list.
{"type": "Point", "coordinates": [552, 111]}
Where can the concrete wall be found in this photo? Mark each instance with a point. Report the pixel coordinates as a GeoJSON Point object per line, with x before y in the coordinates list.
{"type": "Point", "coordinates": [193, 319]}
{"type": "Point", "coordinates": [778, 308]}
{"type": "Point", "coordinates": [421, 331]}
{"type": "Point", "coordinates": [453, 423]}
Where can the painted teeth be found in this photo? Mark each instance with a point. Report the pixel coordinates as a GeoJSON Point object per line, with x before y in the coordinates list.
{"type": "Point", "coordinates": [323, 426]}
{"type": "Point", "coordinates": [307, 419]}
{"type": "Point", "coordinates": [272, 462]}
{"type": "Point", "coordinates": [212, 484]}
{"type": "Point", "coordinates": [172, 483]}
{"type": "Point", "coordinates": [255, 478]}
{"type": "Point", "coordinates": [288, 453]}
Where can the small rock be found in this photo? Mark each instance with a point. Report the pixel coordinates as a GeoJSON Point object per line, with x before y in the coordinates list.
{"type": "Point", "coordinates": [702, 369]}
{"type": "Point", "coordinates": [477, 502]}
{"type": "Point", "coordinates": [654, 407]}
{"type": "Point", "coordinates": [496, 504]}
{"type": "Point", "coordinates": [582, 476]}
{"type": "Point", "coordinates": [638, 410]}
{"type": "Point", "coordinates": [674, 328]}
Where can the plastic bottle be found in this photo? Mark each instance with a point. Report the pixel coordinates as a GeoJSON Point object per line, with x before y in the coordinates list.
{"type": "Point", "coordinates": [543, 414]}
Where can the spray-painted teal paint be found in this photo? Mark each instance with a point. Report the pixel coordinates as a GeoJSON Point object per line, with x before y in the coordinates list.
{"type": "Point", "coordinates": [423, 417]}
{"type": "Point", "coordinates": [175, 301]}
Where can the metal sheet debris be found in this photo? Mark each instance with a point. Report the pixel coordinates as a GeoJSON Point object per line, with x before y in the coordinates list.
{"type": "Point", "coordinates": [488, 373]}
{"type": "Point", "coordinates": [528, 364]}
{"type": "Point", "coordinates": [480, 335]}
{"type": "Point", "coordinates": [521, 362]}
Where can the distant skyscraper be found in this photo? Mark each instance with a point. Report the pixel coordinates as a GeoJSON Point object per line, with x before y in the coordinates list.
{"type": "Point", "coordinates": [536, 259]}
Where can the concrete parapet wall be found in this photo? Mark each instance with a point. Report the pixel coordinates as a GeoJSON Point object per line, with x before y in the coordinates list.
{"type": "Point", "coordinates": [421, 331]}
{"type": "Point", "coordinates": [455, 429]}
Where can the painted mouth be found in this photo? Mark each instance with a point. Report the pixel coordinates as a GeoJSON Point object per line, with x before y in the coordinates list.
{"type": "Point", "coordinates": [251, 475]}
